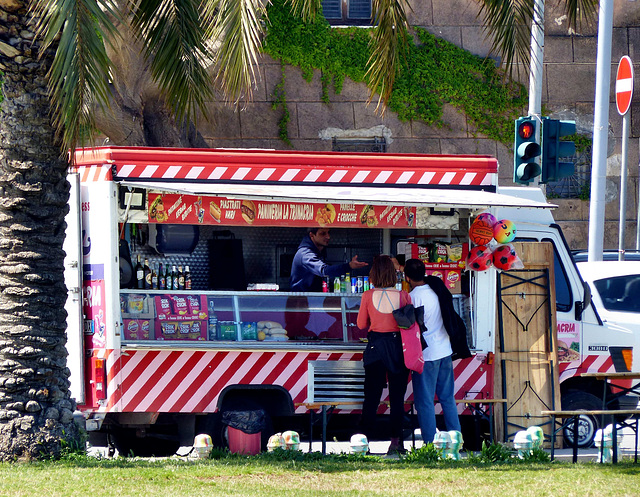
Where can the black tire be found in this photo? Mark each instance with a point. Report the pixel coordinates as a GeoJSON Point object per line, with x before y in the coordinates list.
{"type": "Point", "coordinates": [587, 424]}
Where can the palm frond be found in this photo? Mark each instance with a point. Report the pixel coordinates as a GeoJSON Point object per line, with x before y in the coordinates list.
{"type": "Point", "coordinates": [307, 9]}
{"type": "Point", "coordinates": [388, 37]}
{"type": "Point", "coordinates": [581, 11]}
{"type": "Point", "coordinates": [173, 36]}
{"type": "Point", "coordinates": [508, 23]}
{"type": "Point", "coordinates": [79, 75]}
{"type": "Point", "coordinates": [237, 27]}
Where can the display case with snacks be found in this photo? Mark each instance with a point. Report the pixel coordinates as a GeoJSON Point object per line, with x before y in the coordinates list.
{"type": "Point", "coordinates": [217, 316]}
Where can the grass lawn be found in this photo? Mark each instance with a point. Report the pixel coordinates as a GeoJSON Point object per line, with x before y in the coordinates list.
{"type": "Point", "coordinates": [297, 475]}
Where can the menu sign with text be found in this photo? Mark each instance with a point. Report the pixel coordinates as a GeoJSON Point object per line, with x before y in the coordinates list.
{"type": "Point", "coordinates": [175, 208]}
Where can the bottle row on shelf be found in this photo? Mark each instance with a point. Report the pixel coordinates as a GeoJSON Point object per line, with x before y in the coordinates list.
{"type": "Point", "coordinates": [159, 277]}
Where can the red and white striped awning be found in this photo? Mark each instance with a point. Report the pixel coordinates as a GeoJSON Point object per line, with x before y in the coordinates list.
{"type": "Point", "coordinates": [474, 172]}
{"type": "Point", "coordinates": [336, 177]}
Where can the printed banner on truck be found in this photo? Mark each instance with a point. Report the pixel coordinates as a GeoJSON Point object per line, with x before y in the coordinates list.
{"type": "Point", "coordinates": [175, 208]}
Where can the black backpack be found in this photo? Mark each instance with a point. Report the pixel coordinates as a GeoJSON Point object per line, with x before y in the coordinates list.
{"type": "Point", "coordinates": [453, 323]}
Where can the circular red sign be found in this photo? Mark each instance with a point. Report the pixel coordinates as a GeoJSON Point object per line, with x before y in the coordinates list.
{"type": "Point", "coordinates": [624, 85]}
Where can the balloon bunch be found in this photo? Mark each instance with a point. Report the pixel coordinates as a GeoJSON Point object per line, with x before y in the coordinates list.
{"type": "Point", "coordinates": [483, 231]}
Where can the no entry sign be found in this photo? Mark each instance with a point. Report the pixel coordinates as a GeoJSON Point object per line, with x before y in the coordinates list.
{"type": "Point", "coordinates": [624, 85]}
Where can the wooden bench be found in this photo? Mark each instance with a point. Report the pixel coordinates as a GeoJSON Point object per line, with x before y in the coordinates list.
{"type": "Point", "coordinates": [572, 418]}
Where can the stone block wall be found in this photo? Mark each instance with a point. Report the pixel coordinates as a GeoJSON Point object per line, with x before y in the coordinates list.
{"type": "Point", "coordinates": [568, 93]}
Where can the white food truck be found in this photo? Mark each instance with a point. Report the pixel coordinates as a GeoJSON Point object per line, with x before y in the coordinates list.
{"type": "Point", "coordinates": [153, 364]}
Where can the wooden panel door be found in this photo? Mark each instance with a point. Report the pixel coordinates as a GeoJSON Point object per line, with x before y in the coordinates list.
{"type": "Point", "coordinates": [526, 352]}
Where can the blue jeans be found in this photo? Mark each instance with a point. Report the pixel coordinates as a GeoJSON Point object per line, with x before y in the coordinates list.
{"type": "Point", "coordinates": [436, 379]}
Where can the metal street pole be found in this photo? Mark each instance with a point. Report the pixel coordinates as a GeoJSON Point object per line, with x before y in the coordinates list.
{"type": "Point", "coordinates": [623, 186]}
{"type": "Point", "coordinates": [535, 69]}
{"type": "Point", "coordinates": [600, 131]}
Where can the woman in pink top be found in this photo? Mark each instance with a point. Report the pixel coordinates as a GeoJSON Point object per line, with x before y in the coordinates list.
{"type": "Point", "coordinates": [383, 359]}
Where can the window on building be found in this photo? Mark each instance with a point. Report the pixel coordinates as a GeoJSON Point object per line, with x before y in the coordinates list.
{"type": "Point", "coordinates": [376, 144]}
{"type": "Point", "coordinates": [350, 12]}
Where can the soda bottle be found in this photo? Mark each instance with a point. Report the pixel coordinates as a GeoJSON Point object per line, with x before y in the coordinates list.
{"type": "Point", "coordinates": [325, 285]}
{"type": "Point", "coordinates": [154, 277]}
{"type": "Point", "coordinates": [365, 284]}
{"type": "Point", "coordinates": [347, 283]}
{"type": "Point", "coordinates": [213, 322]}
{"type": "Point", "coordinates": [162, 278]}
{"type": "Point", "coordinates": [180, 278]}
{"type": "Point", "coordinates": [187, 278]}
{"type": "Point", "coordinates": [343, 285]}
{"type": "Point", "coordinates": [336, 284]}
{"type": "Point", "coordinates": [147, 274]}
{"type": "Point", "coordinates": [139, 274]}
{"type": "Point", "coordinates": [174, 278]}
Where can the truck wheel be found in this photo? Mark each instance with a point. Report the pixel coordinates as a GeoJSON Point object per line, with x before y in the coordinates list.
{"type": "Point", "coordinates": [587, 424]}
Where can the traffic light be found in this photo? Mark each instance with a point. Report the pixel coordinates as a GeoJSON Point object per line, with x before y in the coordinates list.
{"type": "Point", "coordinates": [554, 149]}
{"type": "Point", "coordinates": [525, 150]}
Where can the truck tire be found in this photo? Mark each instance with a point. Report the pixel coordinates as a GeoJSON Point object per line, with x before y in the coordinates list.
{"type": "Point", "coordinates": [587, 424]}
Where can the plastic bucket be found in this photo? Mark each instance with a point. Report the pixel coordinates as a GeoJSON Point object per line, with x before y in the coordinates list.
{"type": "Point", "coordinates": [243, 443]}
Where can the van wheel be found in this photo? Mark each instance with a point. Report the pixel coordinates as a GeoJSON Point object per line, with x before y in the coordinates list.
{"type": "Point", "coordinates": [587, 424]}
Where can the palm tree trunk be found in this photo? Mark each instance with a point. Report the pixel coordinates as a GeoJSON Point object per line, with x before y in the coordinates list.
{"type": "Point", "coordinates": [36, 409]}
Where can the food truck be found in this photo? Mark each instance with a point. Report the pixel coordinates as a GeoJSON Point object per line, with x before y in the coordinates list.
{"type": "Point", "coordinates": [178, 264]}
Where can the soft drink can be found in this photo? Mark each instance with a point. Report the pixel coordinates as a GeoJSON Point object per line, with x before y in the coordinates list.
{"type": "Point", "coordinates": [360, 284]}
{"type": "Point", "coordinates": [325, 285]}
{"type": "Point", "coordinates": [365, 283]}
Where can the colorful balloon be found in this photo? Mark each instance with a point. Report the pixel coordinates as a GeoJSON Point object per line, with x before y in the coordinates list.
{"type": "Point", "coordinates": [504, 257]}
{"type": "Point", "coordinates": [504, 231]}
{"type": "Point", "coordinates": [488, 217]}
{"type": "Point", "coordinates": [481, 232]}
{"type": "Point", "coordinates": [479, 258]}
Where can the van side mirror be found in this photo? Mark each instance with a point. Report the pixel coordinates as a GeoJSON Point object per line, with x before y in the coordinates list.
{"type": "Point", "coordinates": [586, 301]}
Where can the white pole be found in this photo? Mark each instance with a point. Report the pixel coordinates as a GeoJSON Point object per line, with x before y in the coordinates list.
{"type": "Point", "coordinates": [623, 186]}
{"type": "Point", "coordinates": [537, 54]}
{"type": "Point", "coordinates": [535, 70]}
{"type": "Point", "coordinates": [600, 131]}
{"type": "Point", "coordinates": [638, 215]}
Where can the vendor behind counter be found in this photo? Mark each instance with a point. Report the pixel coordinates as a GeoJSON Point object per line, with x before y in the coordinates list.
{"type": "Point", "coordinates": [309, 264]}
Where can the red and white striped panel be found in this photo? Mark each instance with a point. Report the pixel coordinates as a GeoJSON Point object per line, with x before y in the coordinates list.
{"type": "Point", "coordinates": [292, 166]}
{"type": "Point", "coordinates": [191, 381]}
{"type": "Point", "coordinates": [93, 173]}
{"type": "Point", "coordinates": [591, 364]}
{"type": "Point", "coordinates": [285, 174]}
{"type": "Point", "coordinates": [474, 380]}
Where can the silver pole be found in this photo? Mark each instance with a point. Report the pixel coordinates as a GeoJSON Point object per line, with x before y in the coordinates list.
{"type": "Point", "coordinates": [535, 70]}
{"type": "Point", "coordinates": [600, 131]}
{"type": "Point", "coordinates": [638, 215]}
{"type": "Point", "coordinates": [623, 186]}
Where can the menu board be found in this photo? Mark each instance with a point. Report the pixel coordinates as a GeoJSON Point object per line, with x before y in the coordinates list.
{"type": "Point", "coordinates": [174, 208]}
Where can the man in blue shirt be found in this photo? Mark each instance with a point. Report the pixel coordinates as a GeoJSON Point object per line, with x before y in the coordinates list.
{"type": "Point", "coordinates": [309, 266]}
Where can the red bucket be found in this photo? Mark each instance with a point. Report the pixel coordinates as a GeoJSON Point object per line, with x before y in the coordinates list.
{"type": "Point", "coordinates": [243, 443]}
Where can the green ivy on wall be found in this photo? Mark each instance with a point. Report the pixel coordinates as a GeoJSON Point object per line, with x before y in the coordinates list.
{"type": "Point", "coordinates": [435, 72]}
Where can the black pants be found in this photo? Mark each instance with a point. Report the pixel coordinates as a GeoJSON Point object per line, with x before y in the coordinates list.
{"type": "Point", "coordinates": [383, 361]}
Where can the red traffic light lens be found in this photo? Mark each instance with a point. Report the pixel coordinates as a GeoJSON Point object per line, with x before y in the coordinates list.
{"type": "Point", "coordinates": [526, 130]}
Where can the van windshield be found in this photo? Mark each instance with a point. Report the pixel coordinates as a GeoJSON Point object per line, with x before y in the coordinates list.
{"type": "Point", "coordinates": [620, 293]}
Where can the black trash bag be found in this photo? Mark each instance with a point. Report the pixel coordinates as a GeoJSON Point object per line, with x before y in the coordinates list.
{"type": "Point", "coordinates": [246, 421]}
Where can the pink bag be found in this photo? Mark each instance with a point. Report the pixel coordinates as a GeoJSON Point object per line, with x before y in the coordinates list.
{"type": "Point", "coordinates": [412, 348]}
{"type": "Point", "coordinates": [411, 344]}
